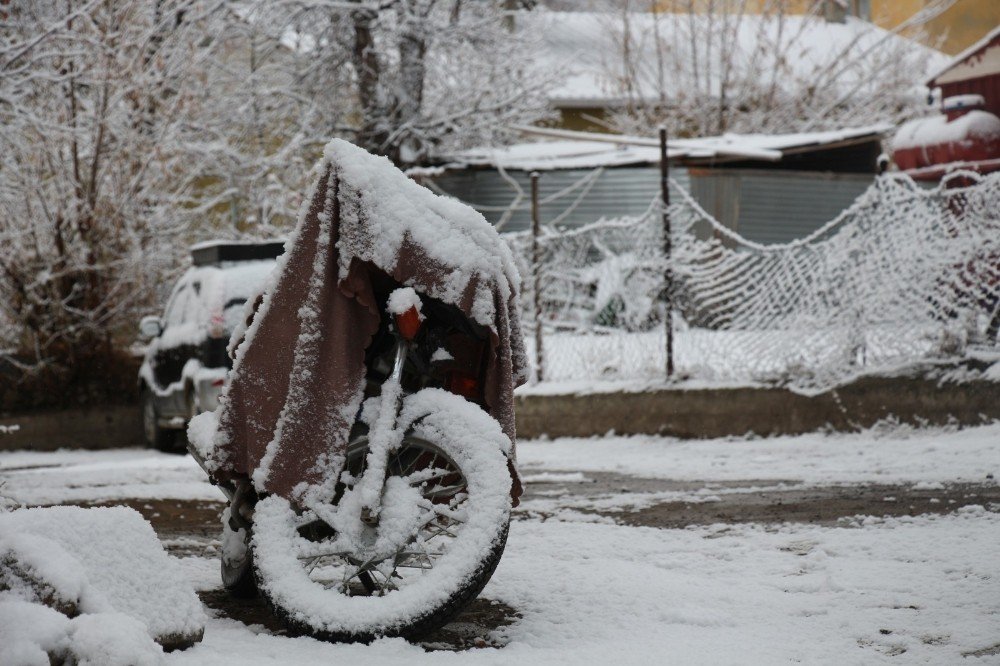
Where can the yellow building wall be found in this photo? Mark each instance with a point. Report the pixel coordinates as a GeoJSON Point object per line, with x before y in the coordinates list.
{"type": "Point", "coordinates": [960, 26]}
{"type": "Point", "coordinates": [963, 24]}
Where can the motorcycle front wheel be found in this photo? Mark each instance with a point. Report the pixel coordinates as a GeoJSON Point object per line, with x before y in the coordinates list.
{"type": "Point", "coordinates": [431, 549]}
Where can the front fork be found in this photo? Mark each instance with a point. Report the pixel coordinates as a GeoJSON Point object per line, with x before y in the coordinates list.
{"type": "Point", "coordinates": [384, 436]}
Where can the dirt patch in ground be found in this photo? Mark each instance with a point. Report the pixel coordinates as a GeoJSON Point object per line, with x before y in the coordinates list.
{"type": "Point", "coordinates": [985, 652]}
{"type": "Point", "coordinates": [251, 612]}
{"type": "Point", "coordinates": [761, 501]}
{"type": "Point", "coordinates": [817, 506]}
{"type": "Point", "coordinates": [186, 527]}
{"type": "Point", "coordinates": [192, 527]}
{"type": "Point", "coordinates": [479, 624]}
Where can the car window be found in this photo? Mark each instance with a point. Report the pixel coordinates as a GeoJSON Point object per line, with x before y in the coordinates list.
{"type": "Point", "coordinates": [242, 283]}
{"type": "Point", "coordinates": [174, 314]}
{"type": "Point", "coordinates": [232, 314]}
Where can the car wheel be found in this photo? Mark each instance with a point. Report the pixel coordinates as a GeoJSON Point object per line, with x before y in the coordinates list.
{"type": "Point", "coordinates": [156, 437]}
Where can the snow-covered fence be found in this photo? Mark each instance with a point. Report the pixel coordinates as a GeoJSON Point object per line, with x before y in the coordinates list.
{"type": "Point", "coordinates": [905, 273]}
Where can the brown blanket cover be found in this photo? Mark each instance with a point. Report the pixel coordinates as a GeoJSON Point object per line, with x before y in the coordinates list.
{"type": "Point", "coordinates": [299, 375]}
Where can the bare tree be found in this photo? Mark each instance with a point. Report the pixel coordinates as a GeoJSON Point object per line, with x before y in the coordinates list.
{"type": "Point", "coordinates": [129, 128]}
{"type": "Point", "coordinates": [99, 166]}
{"type": "Point", "coordinates": [267, 107]}
{"type": "Point", "coordinates": [710, 67]}
{"type": "Point", "coordinates": [426, 75]}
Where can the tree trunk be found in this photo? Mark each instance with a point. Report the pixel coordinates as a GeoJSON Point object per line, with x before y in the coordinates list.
{"type": "Point", "coordinates": [409, 146]}
{"type": "Point", "coordinates": [374, 131]}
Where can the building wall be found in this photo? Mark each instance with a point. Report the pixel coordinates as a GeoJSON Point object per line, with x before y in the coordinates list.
{"type": "Point", "coordinates": [582, 120]}
{"type": "Point", "coordinates": [775, 207]}
{"type": "Point", "coordinates": [961, 26]}
{"type": "Point", "coordinates": [978, 73]}
{"type": "Point", "coordinates": [964, 23]}
{"type": "Point", "coordinates": [987, 86]}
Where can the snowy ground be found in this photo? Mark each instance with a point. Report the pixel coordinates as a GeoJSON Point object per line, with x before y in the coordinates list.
{"type": "Point", "coordinates": [882, 546]}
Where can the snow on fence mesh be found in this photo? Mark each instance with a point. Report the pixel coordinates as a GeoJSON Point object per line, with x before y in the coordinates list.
{"type": "Point", "coordinates": [906, 273]}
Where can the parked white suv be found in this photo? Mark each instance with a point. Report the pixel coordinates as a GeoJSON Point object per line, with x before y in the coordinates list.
{"type": "Point", "coordinates": [186, 363]}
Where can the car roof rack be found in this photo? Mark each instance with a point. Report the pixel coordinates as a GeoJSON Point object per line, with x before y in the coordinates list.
{"type": "Point", "coordinates": [215, 252]}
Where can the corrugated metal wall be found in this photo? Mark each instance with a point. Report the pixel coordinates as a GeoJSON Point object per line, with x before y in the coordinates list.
{"type": "Point", "coordinates": [615, 192]}
{"type": "Point", "coordinates": [776, 206]}
{"type": "Point", "coordinates": [763, 206]}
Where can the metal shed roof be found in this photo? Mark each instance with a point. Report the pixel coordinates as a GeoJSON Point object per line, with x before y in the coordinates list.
{"type": "Point", "coordinates": [581, 150]}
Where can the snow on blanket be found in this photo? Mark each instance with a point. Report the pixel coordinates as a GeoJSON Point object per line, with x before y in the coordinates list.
{"type": "Point", "coordinates": [105, 563]}
{"type": "Point", "coordinates": [307, 336]}
{"type": "Point", "coordinates": [380, 208]}
{"type": "Point", "coordinates": [450, 232]}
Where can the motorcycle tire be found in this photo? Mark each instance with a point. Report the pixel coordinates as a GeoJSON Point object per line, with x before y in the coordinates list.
{"type": "Point", "coordinates": [445, 515]}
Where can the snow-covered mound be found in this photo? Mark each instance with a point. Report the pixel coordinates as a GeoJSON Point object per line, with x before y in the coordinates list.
{"type": "Point", "coordinates": [105, 569]}
{"type": "Point", "coordinates": [35, 635]}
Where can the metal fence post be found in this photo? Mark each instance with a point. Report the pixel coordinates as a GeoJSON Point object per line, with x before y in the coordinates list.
{"type": "Point", "coordinates": [668, 275]}
{"type": "Point", "coordinates": [536, 274]}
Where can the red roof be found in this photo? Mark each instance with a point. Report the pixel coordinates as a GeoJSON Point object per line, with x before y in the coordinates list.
{"type": "Point", "coordinates": [979, 60]}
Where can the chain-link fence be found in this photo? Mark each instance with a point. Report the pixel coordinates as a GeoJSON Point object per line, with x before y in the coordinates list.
{"type": "Point", "coordinates": [906, 273]}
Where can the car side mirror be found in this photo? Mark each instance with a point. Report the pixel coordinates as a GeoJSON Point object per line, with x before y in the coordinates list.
{"type": "Point", "coordinates": [150, 327]}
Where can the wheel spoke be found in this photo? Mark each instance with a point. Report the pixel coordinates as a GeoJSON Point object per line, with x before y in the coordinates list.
{"type": "Point", "coordinates": [441, 511]}
{"type": "Point", "coordinates": [428, 567]}
{"type": "Point", "coordinates": [318, 551]}
{"type": "Point", "coordinates": [439, 491]}
{"type": "Point", "coordinates": [419, 553]}
{"type": "Point", "coordinates": [417, 477]}
{"type": "Point", "coordinates": [388, 582]}
{"type": "Point", "coordinates": [335, 564]}
{"type": "Point", "coordinates": [410, 465]}
{"type": "Point", "coordinates": [440, 531]}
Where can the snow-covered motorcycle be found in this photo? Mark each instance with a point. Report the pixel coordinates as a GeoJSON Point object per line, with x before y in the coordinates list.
{"type": "Point", "coordinates": [366, 437]}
